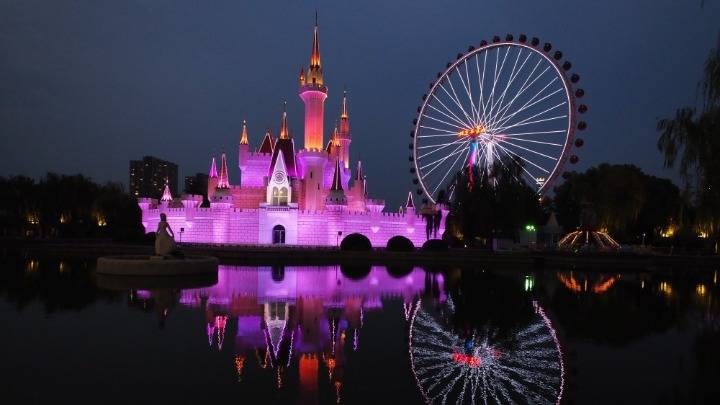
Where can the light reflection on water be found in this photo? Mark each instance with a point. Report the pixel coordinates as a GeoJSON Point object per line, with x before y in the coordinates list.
{"type": "Point", "coordinates": [308, 334]}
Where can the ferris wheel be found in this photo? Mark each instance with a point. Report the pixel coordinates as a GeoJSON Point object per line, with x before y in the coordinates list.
{"type": "Point", "coordinates": [504, 101]}
{"type": "Point", "coordinates": [486, 367]}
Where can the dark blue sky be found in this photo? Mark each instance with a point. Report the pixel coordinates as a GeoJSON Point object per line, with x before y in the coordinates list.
{"type": "Point", "coordinates": [86, 86]}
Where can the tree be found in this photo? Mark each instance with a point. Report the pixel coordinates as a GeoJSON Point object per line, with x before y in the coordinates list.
{"type": "Point", "coordinates": [692, 140]}
{"type": "Point", "coordinates": [627, 201]}
{"type": "Point", "coordinates": [492, 206]}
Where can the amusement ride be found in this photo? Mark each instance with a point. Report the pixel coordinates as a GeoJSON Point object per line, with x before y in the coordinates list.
{"type": "Point", "coordinates": [507, 100]}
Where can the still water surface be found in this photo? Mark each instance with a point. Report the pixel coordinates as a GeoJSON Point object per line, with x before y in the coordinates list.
{"type": "Point", "coordinates": [329, 334]}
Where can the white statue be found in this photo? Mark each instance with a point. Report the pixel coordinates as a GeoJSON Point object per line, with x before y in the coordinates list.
{"type": "Point", "coordinates": [164, 237]}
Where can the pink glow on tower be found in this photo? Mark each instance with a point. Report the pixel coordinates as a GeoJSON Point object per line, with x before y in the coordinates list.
{"type": "Point", "coordinates": [213, 169]}
{"type": "Point", "coordinates": [223, 181]}
{"type": "Point", "coordinates": [313, 93]}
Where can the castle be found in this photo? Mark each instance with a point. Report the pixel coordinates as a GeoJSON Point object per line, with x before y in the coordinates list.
{"type": "Point", "coordinates": [289, 196]}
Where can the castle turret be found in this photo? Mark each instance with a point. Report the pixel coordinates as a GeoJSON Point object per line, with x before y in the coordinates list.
{"type": "Point", "coordinates": [357, 191]}
{"type": "Point", "coordinates": [336, 197]}
{"type": "Point", "coordinates": [223, 180]}
{"type": "Point", "coordinates": [343, 137]}
{"type": "Point", "coordinates": [243, 150]}
{"type": "Point", "coordinates": [212, 180]}
{"type": "Point", "coordinates": [409, 204]}
{"type": "Point", "coordinates": [313, 157]}
{"type": "Point", "coordinates": [167, 195]}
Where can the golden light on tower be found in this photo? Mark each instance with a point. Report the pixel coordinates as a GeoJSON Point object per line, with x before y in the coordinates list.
{"type": "Point", "coordinates": [472, 132]}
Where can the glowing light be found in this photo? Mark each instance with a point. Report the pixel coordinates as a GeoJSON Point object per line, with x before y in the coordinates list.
{"type": "Point", "coordinates": [33, 219]}
{"type": "Point", "coordinates": [529, 283]}
{"type": "Point", "coordinates": [703, 235]}
{"type": "Point", "coordinates": [701, 290]}
{"type": "Point", "coordinates": [602, 286]}
{"type": "Point", "coordinates": [666, 288]}
{"type": "Point", "coordinates": [239, 365]}
{"type": "Point", "coordinates": [668, 232]}
{"type": "Point", "coordinates": [530, 228]}
{"type": "Point", "coordinates": [472, 132]}
{"type": "Point", "coordinates": [32, 266]}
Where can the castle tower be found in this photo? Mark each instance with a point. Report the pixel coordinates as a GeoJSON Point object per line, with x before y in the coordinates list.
{"type": "Point", "coordinates": [343, 137]}
{"type": "Point", "coordinates": [313, 157]}
{"type": "Point", "coordinates": [243, 150]}
{"type": "Point", "coordinates": [313, 93]}
{"type": "Point", "coordinates": [336, 199]}
{"type": "Point", "coordinates": [212, 180]}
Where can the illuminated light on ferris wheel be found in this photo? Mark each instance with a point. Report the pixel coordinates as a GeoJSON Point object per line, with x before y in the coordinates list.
{"type": "Point", "coordinates": [486, 368]}
{"type": "Point", "coordinates": [508, 100]}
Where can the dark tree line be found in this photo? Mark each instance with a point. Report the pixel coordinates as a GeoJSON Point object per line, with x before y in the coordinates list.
{"type": "Point", "coordinates": [626, 201]}
{"type": "Point", "coordinates": [67, 206]}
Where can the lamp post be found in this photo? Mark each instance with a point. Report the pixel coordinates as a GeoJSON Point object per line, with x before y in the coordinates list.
{"type": "Point", "coordinates": [337, 241]}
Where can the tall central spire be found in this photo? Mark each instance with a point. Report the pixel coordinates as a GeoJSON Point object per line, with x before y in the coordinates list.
{"type": "Point", "coordinates": [315, 55]}
{"type": "Point", "coordinates": [313, 93]}
{"type": "Point", "coordinates": [284, 123]}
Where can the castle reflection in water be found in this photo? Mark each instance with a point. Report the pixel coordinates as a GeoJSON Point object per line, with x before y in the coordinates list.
{"type": "Point", "coordinates": [294, 316]}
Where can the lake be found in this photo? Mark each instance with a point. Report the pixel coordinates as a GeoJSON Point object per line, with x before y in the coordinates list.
{"type": "Point", "coordinates": [358, 334]}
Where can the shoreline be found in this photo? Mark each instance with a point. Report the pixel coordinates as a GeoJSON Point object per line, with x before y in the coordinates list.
{"type": "Point", "coordinates": [261, 255]}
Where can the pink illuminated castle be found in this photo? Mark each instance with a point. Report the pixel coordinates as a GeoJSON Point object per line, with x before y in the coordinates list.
{"type": "Point", "coordinates": [308, 196]}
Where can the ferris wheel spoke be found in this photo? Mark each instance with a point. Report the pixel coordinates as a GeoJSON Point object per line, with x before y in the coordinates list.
{"type": "Point", "coordinates": [524, 122]}
{"type": "Point", "coordinates": [440, 145]}
{"type": "Point", "coordinates": [509, 82]}
{"type": "Point", "coordinates": [457, 99]}
{"type": "Point", "coordinates": [467, 89]}
{"type": "Point", "coordinates": [437, 163]}
{"type": "Point", "coordinates": [529, 150]}
{"type": "Point", "coordinates": [454, 100]}
{"type": "Point", "coordinates": [525, 86]}
{"type": "Point", "coordinates": [513, 155]}
{"type": "Point", "coordinates": [437, 135]}
{"type": "Point", "coordinates": [520, 134]}
{"type": "Point", "coordinates": [481, 82]}
{"type": "Point", "coordinates": [439, 148]}
{"type": "Point", "coordinates": [500, 108]}
{"type": "Point", "coordinates": [495, 80]}
{"type": "Point", "coordinates": [442, 121]}
{"type": "Point", "coordinates": [457, 120]}
{"type": "Point", "coordinates": [533, 141]}
{"type": "Point", "coordinates": [445, 131]}
{"type": "Point", "coordinates": [532, 102]}
{"type": "Point", "coordinates": [467, 151]}
{"type": "Point", "coordinates": [497, 156]}
{"type": "Point", "coordinates": [524, 159]}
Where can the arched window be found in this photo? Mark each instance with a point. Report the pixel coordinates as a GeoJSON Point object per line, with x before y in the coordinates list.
{"type": "Point", "coordinates": [283, 197]}
{"type": "Point", "coordinates": [278, 235]}
{"type": "Point", "coordinates": [279, 196]}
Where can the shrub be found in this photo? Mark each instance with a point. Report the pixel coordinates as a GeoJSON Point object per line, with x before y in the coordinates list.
{"type": "Point", "coordinates": [356, 242]}
{"type": "Point", "coordinates": [400, 244]}
{"type": "Point", "coordinates": [435, 245]}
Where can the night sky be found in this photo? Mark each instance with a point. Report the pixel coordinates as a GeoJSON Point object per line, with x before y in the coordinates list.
{"type": "Point", "coordinates": [85, 86]}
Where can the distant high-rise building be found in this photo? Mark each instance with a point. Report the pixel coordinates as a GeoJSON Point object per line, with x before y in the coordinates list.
{"type": "Point", "coordinates": [147, 177]}
{"type": "Point", "coordinates": [197, 184]}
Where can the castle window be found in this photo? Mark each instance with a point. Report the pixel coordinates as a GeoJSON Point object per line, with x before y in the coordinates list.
{"type": "Point", "coordinates": [279, 196]}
